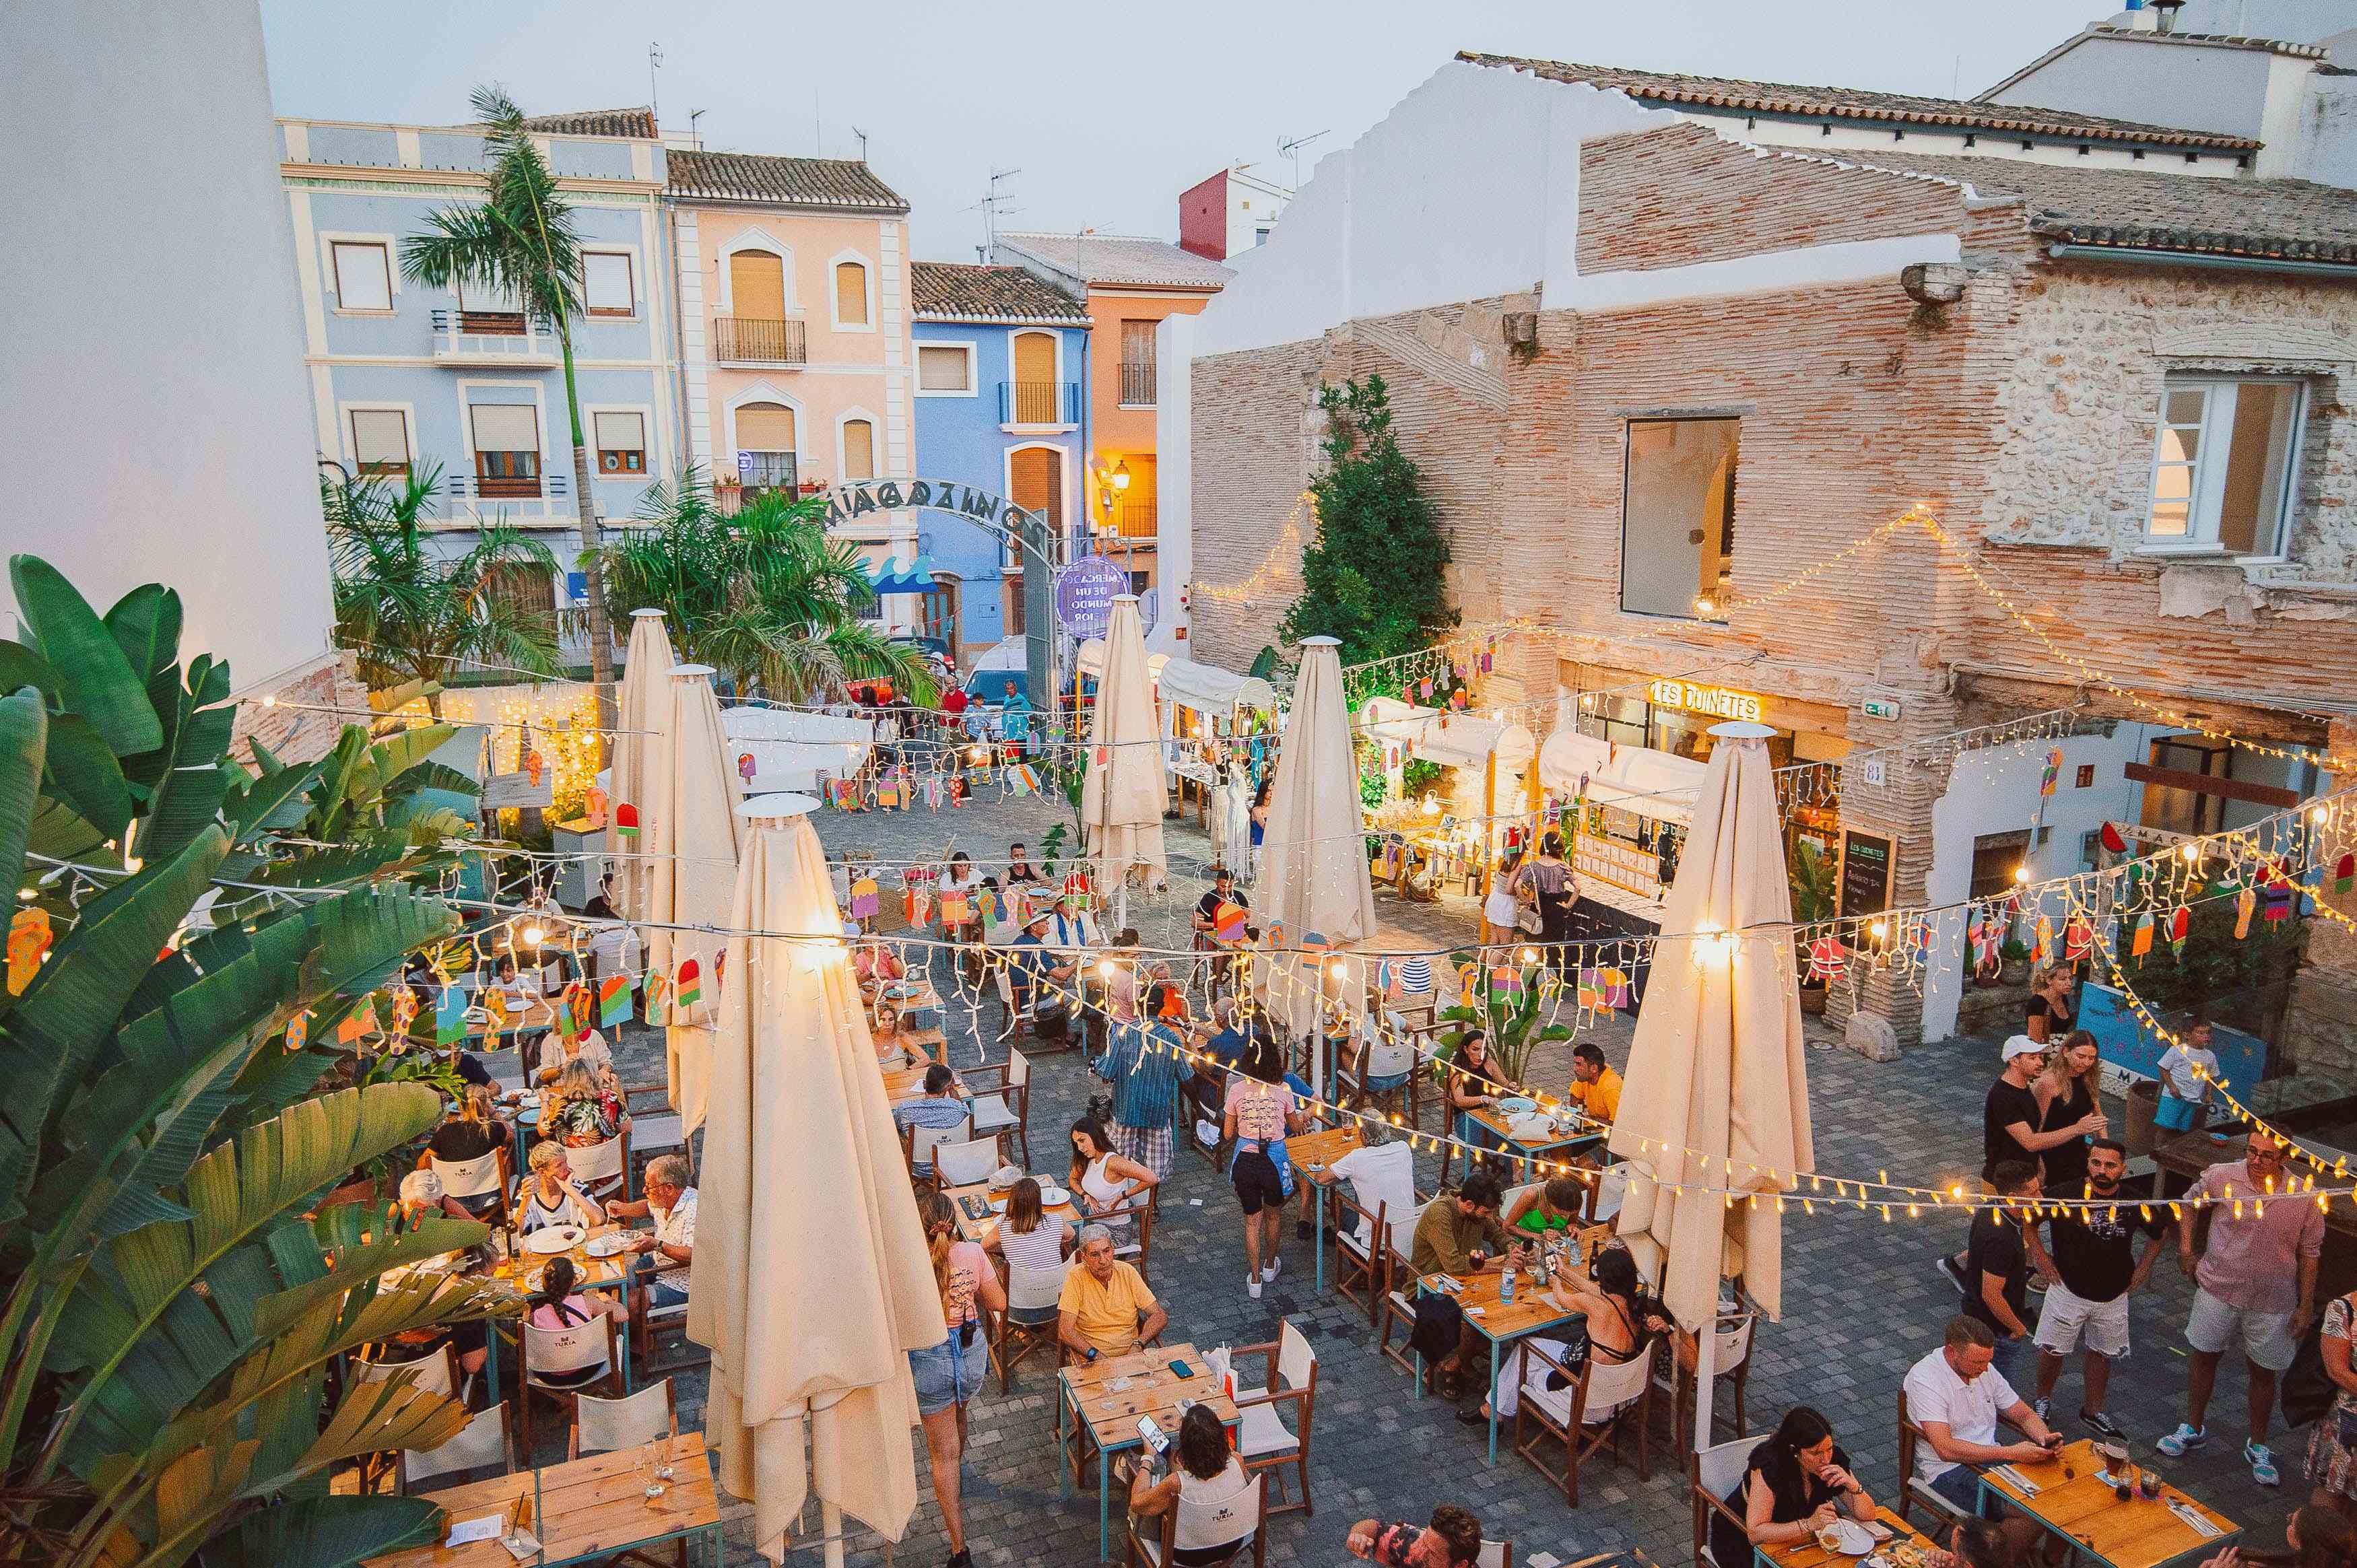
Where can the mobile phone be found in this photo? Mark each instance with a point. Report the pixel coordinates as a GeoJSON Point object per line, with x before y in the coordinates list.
{"type": "Point", "coordinates": [1181, 1370]}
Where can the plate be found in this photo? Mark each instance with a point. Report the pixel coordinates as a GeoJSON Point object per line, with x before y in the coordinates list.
{"type": "Point", "coordinates": [532, 1280]}
{"type": "Point", "coordinates": [553, 1238]}
{"type": "Point", "coordinates": [1515, 1104]}
{"type": "Point", "coordinates": [1051, 1196]}
{"type": "Point", "coordinates": [606, 1246]}
{"type": "Point", "coordinates": [998, 1205]}
{"type": "Point", "coordinates": [1856, 1541]}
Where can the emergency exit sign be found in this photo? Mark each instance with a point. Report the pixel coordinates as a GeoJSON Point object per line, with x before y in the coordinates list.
{"type": "Point", "coordinates": [1881, 707]}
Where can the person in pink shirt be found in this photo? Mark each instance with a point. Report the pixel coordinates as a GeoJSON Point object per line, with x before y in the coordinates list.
{"type": "Point", "coordinates": [2255, 1283]}
{"type": "Point", "coordinates": [554, 1306]}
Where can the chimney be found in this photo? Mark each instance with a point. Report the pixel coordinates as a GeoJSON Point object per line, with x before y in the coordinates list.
{"type": "Point", "coordinates": [2164, 15]}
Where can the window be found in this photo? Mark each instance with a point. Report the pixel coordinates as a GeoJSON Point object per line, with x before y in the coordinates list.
{"type": "Point", "coordinates": [621, 443]}
{"type": "Point", "coordinates": [859, 449]}
{"type": "Point", "coordinates": [607, 287]}
{"type": "Point", "coordinates": [2176, 809]}
{"type": "Point", "coordinates": [381, 441]}
{"type": "Point", "coordinates": [487, 312]}
{"type": "Point", "coordinates": [756, 285]}
{"type": "Point", "coordinates": [1996, 857]}
{"type": "Point", "coordinates": [2223, 469]}
{"type": "Point", "coordinates": [850, 294]}
{"type": "Point", "coordinates": [1035, 398]}
{"type": "Point", "coordinates": [363, 275]}
{"type": "Point", "coordinates": [1137, 364]}
{"type": "Point", "coordinates": [1677, 513]}
{"type": "Point", "coordinates": [945, 370]}
{"type": "Point", "coordinates": [1260, 236]}
{"type": "Point", "coordinates": [764, 433]}
{"type": "Point", "coordinates": [507, 448]}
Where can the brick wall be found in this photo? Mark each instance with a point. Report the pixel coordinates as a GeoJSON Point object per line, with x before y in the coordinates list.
{"type": "Point", "coordinates": [299, 733]}
{"type": "Point", "coordinates": [1679, 194]}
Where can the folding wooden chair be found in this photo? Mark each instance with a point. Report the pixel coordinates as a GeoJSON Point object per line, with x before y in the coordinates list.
{"type": "Point", "coordinates": [1198, 1527]}
{"type": "Point", "coordinates": [480, 1184]}
{"type": "Point", "coordinates": [1732, 1364]}
{"type": "Point", "coordinates": [1360, 1266]}
{"type": "Point", "coordinates": [1265, 1443]}
{"type": "Point", "coordinates": [1713, 1474]}
{"type": "Point", "coordinates": [1007, 1111]}
{"type": "Point", "coordinates": [601, 1170]}
{"type": "Point", "coordinates": [1918, 1490]}
{"type": "Point", "coordinates": [591, 1345]}
{"type": "Point", "coordinates": [482, 1446]}
{"type": "Point", "coordinates": [1030, 1320]}
{"type": "Point", "coordinates": [1621, 1391]}
{"type": "Point", "coordinates": [962, 1165]}
{"type": "Point", "coordinates": [604, 1425]}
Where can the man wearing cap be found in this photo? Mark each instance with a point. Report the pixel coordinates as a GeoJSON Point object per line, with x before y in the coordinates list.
{"type": "Point", "coordinates": [2009, 1117]}
{"type": "Point", "coordinates": [1031, 966]}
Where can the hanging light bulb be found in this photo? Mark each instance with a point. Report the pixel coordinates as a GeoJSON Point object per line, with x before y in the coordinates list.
{"type": "Point", "coordinates": [2190, 851]}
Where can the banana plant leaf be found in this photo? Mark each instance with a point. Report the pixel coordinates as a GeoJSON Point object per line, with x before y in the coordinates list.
{"type": "Point", "coordinates": [95, 680]}
{"type": "Point", "coordinates": [24, 731]}
{"type": "Point", "coordinates": [145, 624]}
{"type": "Point", "coordinates": [85, 773]}
{"type": "Point", "coordinates": [392, 758]}
{"type": "Point", "coordinates": [21, 667]}
{"type": "Point", "coordinates": [325, 1532]}
{"type": "Point", "coordinates": [271, 801]}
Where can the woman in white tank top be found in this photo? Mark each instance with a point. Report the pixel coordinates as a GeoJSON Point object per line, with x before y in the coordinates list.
{"type": "Point", "coordinates": [1101, 1179]}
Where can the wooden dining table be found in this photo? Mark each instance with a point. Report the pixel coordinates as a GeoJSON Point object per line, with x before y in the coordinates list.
{"type": "Point", "coordinates": [582, 1508]}
{"type": "Point", "coordinates": [1105, 1399]}
{"type": "Point", "coordinates": [985, 1231]}
{"type": "Point", "coordinates": [1499, 1321]}
{"type": "Point", "coordinates": [1808, 1553]}
{"type": "Point", "coordinates": [1313, 1156]}
{"type": "Point", "coordinates": [590, 1275]}
{"type": "Point", "coordinates": [2073, 1501]}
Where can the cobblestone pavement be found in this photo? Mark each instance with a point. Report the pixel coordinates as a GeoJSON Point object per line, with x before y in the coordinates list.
{"type": "Point", "coordinates": [1862, 1302]}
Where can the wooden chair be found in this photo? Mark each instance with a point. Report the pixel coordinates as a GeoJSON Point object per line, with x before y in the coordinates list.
{"type": "Point", "coordinates": [647, 1320]}
{"type": "Point", "coordinates": [962, 1165]}
{"type": "Point", "coordinates": [604, 1425]}
{"type": "Point", "coordinates": [1399, 1293]}
{"type": "Point", "coordinates": [601, 1170]}
{"type": "Point", "coordinates": [1392, 1056]}
{"type": "Point", "coordinates": [435, 1373]}
{"type": "Point", "coordinates": [918, 1145]}
{"type": "Point", "coordinates": [1243, 1520]}
{"type": "Point", "coordinates": [482, 1445]}
{"type": "Point", "coordinates": [590, 1346]}
{"type": "Point", "coordinates": [1712, 1473]}
{"type": "Point", "coordinates": [1916, 1488]}
{"type": "Point", "coordinates": [1359, 1268]}
{"type": "Point", "coordinates": [1732, 1363]}
{"type": "Point", "coordinates": [1030, 1320]}
{"type": "Point", "coordinates": [1007, 1111]}
{"type": "Point", "coordinates": [1625, 1389]}
{"type": "Point", "coordinates": [1263, 1441]}
{"type": "Point", "coordinates": [653, 1135]}
{"type": "Point", "coordinates": [481, 1184]}
{"type": "Point", "coordinates": [1136, 1247]}
{"type": "Point", "coordinates": [1495, 1553]}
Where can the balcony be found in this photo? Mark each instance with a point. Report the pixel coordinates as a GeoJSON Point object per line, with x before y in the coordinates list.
{"type": "Point", "coordinates": [546, 485]}
{"type": "Point", "coordinates": [757, 340]}
{"type": "Point", "coordinates": [1135, 516]}
{"type": "Point", "coordinates": [1138, 384]}
{"type": "Point", "coordinates": [1039, 405]}
{"type": "Point", "coordinates": [497, 339]}
{"type": "Point", "coordinates": [769, 471]}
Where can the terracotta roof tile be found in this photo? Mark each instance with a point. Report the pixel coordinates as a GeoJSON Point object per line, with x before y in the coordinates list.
{"type": "Point", "coordinates": [1653, 87]}
{"type": "Point", "coordinates": [789, 182]}
{"type": "Point", "coordinates": [951, 290]}
{"type": "Point", "coordinates": [1119, 259]}
{"type": "Point", "coordinates": [638, 123]}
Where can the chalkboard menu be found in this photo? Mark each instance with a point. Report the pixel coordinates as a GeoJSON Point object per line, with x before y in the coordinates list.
{"type": "Point", "coordinates": [1865, 873]}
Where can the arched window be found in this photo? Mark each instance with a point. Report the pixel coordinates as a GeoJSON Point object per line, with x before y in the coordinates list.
{"type": "Point", "coordinates": [766, 430]}
{"type": "Point", "coordinates": [850, 294]}
{"type": "Point", "coordinates": [859, 449]}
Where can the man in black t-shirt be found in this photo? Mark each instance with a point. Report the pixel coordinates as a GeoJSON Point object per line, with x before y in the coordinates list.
{"type": "Point", "coordinates": [2094, 1253]}
{"type": "Point", "coordinates": [2009, 1118]}
{"type": "Point", "coordinates": [1997, 1263]}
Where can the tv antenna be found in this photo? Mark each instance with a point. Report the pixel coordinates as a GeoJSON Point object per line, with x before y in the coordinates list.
{"type": "Point", "coordinates": [1290, 148]}
{"type": "Point", "coordinates": [654, 62]}
{"type": "Point", "coordinates": [993, 204]}
{"type": "Point", "coordinates": [862, 142]}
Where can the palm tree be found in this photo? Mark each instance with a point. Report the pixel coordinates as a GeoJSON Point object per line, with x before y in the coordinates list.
{"type": "Point", "coordinates": [412, 614]}
{"type": "Point", "coordinates": [520, 241]}
{"type": "Point", "coordinates": [764, 596]}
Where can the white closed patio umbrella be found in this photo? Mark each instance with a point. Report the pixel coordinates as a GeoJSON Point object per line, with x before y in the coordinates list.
{"type": "Point", "coordinates": [812, 1281]}
{"type": "Point", "coordinates": [1123, 792]}
{"type": "Point", "coordinates": [1313, 876]}
{"type": "Point", "coordinates": [646, 674]}
{"type": "Point", "coordinates": [691, 870]}
{"type": "Point", "coordinates": [1717, 1094]}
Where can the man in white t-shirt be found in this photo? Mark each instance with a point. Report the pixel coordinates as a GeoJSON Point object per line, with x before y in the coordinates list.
{"type": "Point", "coordinates": [2187, 1069]}
{"type": "Point", "coordinates": [1383, 1179]}
{"type": "Point", "coordinates": [1957, 1400]}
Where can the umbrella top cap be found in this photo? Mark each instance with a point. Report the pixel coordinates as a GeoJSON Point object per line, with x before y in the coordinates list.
{"type": "Point", "coordinates": [1741, 729]}
{"type": "Point", "coordinates": [1125, 598]}
{"type": "Point", "coordinates": [692, 671]}
{"type": "Point", "coordinates": [1322, 642]}
{"type": "Point", "coordinates": [776, 808]}
{"type": "Point", "coordinates": [636, 615]}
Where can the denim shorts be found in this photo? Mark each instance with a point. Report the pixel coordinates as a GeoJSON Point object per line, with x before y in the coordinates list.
{"type": "Point", "coordinates": [945, 1375]}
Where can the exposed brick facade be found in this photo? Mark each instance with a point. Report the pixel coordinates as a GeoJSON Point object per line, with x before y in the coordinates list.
{"type": "Point", "coordinates": [299, 733]}
{"type": "Point", "coordinates": [2022, 413]}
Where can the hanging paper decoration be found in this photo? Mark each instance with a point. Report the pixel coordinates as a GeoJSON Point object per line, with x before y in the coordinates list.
{"type": "Point", "coordinates": [613, 1001]}
{"type": "Point", "coordinates": [2042, 953]}
{"type": "Point", "coordinates": [934, 786]}
{"type": "Point", "coordinates": [1077, 891]}
{"type": "Point", "coordinates": [2054, 773]}
{"type": "Point", "coordinates": [1827, 960]}
{"type": "Point", "coordinates": [687, 990]}
{"type": "Point", "coordinates": [1229, 922]}
{"type": "Point", "coordinates": [2245, 901]}
{"type": "Point", "coordinates": [1615, 984]}
{"type": "Point", "coordinates": [573, 1010]}
{"type": "Point", "coordinates": [1487, 661]}
{"type": "Point", "coordinates": [744, 766]}
{"type": "Point", "coordinates": [2344, 874]}
{"type": "Point", "coordinates": [495, 1016]}
{"type": "Point", "coordinates": [957, 908]}
{"type": "Point", "coordinates": [865, 902]}
{"type": "Point", "coordinates": [1506, 980]}
{"type": "Point", "coordinates": [2077, 939]}
{"type": "Point", "coordinates": [658, 1001]}
{"type": "Point", "coordinates": [298, 1031]}
{"type": "Point", "coordinates": [917, 896]}
{"type": "Point", "coordinates": [2112, 839]}
{"type": "Point", "coordinates": [1424, 690]}
{"type": "Point", "coordinates": [1987, 947]}
{"type": "Point", "coordinates": [626, 821]}
{"type": "Point", "coordinates": [358, 1023]}
{"type": "Point", "coordinates": [2276, 899]}
{"type": "Point", "coordinates": [29, 938]}
{"type": "Point", "coordinates": [1591, 990]}
{"type": "Point", "coordinates": [2140, 941]}
{"type": "Point", "coordinates": [1022, 779]}
{"type": "Point", "coordinates": [2180, 924]}
{"type": "Point", "coordinates": [450, 1016]}
{"type": "Point", "coordinates": [405, 1008]}
{"type": "Point", "coordinates": [888, 790]}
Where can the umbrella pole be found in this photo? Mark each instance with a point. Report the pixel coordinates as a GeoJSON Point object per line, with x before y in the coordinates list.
{"type": "Point", "coordinates": [830, 1524]}
{"type": "Point", "coordinates": [1706, 1377]}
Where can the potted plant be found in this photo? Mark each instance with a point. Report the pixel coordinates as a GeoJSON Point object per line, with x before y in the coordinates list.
{"type": "Point", "coordinates": [1512, 1018]}
{"type": "Point", "coordinates": [2012, 964]}
{"type": "Point", "coordinates": [1812, 903]}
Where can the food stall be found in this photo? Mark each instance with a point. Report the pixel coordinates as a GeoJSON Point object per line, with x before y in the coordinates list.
{"type": "Point", "coordinates": [1634, 805]}
{"type": "Point", "coordinates": [1442, 849]}
{"type": "Point", "coordinates": [1201, 704]}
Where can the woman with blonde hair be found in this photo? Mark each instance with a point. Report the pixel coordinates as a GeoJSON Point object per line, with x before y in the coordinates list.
{"type": "Point", "coordinates": [2066, 1089]}
{"type": "Point", "coordinates": [549, 1196]}
{"type": "Point", "coordinates": [898, 1044]}
{"type": "Point", "coordinates": [580, 1111]}
{"type": "Point", "coordinates": [947, 1374]}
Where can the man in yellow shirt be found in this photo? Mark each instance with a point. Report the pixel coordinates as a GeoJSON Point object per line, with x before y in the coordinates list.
{"type": "Point", "coordinates": [1595, 1086]}
{"type": "Point", "coordinates": [1105, 1308]}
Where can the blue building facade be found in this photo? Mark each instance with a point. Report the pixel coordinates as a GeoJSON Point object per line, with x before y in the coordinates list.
{"type": "Point", "coordinates": [403, 376]}
{"type": "Point", "coordinates": [1002, 406]}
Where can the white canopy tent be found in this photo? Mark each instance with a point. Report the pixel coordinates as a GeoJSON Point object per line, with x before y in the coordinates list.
{"type": "Point", "coordinates": [1450, 739]}
{"type": "Point", "coordinates": [1089, 661]}
{"type": "Point", "coordinates": [1649, 783]}
{"type": "Point", "coordinates": [1212, 691]}
{"type": "Point", "coordinates": [791, 750]}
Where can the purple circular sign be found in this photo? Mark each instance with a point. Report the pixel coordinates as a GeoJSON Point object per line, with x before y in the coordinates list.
{"type": "Point", "coordinates": [1084, 596]}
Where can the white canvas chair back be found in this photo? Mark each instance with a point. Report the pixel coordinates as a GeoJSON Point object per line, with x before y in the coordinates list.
{"type": "Point", "coordinates": [432, 1374]}
{"type": "Point", "coordinates": [1717, 1468]}
{"type": "Point", "coordinates": [1734, 1342]}
{"type": "Point", "coordinates": [1611, 1384]}
{"type": "Point", "coordinates": [1514, 1196]}
{"type": "Point", "coordinates": [1203, 1524]}
{"type": "Point", "coordinates": [1610, 1188]}
{"type": "Point", "coordinates": [923, 1141]}
{"type": "Point", "coordinates": [608, 1425]}
{"type": "Point", "coordinates": [1297, 1359]}
{"type": "Point", "coordinates": [1390, 1055]}
{"type": "Point", "coordinates": [596, 1165]}
{"type": "Point", "coordinates": [1018, 1070]}
{"type": "Point", "coordinates": [1493, 1555]}
{"type": "Point", "coordinates": [577, 1348]}
{"type": "Point", "coordinates": [1402, 1227]}
{"type": "Point", "coordinates": [1029, 1290]}
{"type": "Point", "coordinates": [962, 1164]}
{"type": "Point", "coordinates": [482, 1441]}
{"type": "Point", "coordinates": [468, 1178]}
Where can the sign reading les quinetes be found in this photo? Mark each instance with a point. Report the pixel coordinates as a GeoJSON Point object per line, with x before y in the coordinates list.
{"type": "Point", "coordinates": [1716, 701]}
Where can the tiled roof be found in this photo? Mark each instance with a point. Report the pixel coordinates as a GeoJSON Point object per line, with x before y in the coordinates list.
{"type": "Point", "coordinates": [792, 182]}
{"type": "Point", "coordinates": [2294, 220]}
{"type": "Point", "coordinates": [1119, 259]}
{"type": "Point", "coordinates": [2232, 41]}
{"type": "Point", "coordinates": [952, 291]}
{"type": "Point", "coordinates": [638, 123]}
{"type": "Point", "coordinates": [1653, 87]}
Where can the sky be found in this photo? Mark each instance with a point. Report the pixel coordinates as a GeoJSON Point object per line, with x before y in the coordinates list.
{"type": "Point", "coordinates": [1108, 111]}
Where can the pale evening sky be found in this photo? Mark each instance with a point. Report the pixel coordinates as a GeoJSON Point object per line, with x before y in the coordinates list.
{"type": "Point", "coordinates": [1109, 111]}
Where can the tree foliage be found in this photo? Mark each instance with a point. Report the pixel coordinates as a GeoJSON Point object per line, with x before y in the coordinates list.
{"type": "Point", "coordinates": [1372, 577]}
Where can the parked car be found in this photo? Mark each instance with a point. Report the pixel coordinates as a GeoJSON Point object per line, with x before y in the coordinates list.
{"type": "Point", "coordinates": [985, 686]}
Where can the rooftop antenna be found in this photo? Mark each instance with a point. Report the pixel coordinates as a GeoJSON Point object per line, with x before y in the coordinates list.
{"type": "Point", "coordinates": [693, 116]}
{"type": "Point", "coordinates": [862, 142]}
{"type": "Point", "coordinates": [1290, 148]}
{"type": "Point", "coordinates": [993, 204]}
{"type": "Point", "coordinates": [654, 60]}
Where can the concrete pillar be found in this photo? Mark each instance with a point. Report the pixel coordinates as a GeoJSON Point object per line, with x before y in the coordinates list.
{"type": "Point", "coordinates": [2320, 1027]}
{"type": "Point", "coordinates": [1882, 1011]}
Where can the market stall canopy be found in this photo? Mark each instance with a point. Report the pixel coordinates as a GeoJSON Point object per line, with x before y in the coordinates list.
{"type": "Point", "coordinates": [1452, 740]}
{"type": "Point", "coordinates": [1208, 689]}
{"type": "Point", "coordinates": [1633, 777]}
{"type": "Point", "coordinates": [1089, 661]}
{"type": "Point", "coordinates": [790, 749]}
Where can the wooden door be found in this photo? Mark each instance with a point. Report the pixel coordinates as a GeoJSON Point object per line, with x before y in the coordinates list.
{"type": "Point", "coordinates": [756, 285]}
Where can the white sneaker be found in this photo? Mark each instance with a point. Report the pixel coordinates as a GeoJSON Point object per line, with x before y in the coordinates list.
{"type": "Point", "coordinates": [1252, 1286]}
{"type": "Point", "coordinates": [1269, 1272]}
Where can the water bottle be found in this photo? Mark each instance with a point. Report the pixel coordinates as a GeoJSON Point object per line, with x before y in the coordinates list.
{"type": "Point", "coordinates": [1506, 1286]}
